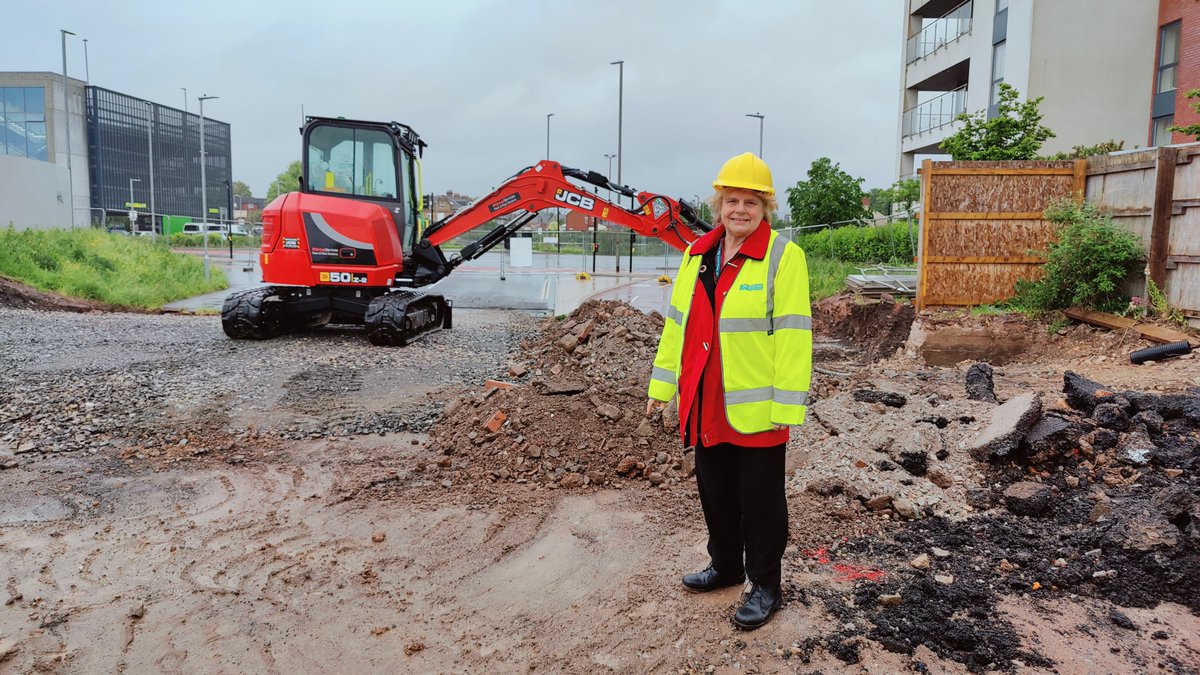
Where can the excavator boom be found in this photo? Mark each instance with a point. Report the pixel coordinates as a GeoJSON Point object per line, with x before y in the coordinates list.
{"type": "Point", "coordinates": [545, 186]}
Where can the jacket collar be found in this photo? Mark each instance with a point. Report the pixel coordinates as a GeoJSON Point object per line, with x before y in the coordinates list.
{"type": "Point", "coordinates": [755, 245]}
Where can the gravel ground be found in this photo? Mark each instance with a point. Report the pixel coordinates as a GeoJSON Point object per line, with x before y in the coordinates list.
{"type": "Point", "coordinates": [171, 500]}
{"type": "Point", "coordinates": [84, 382]}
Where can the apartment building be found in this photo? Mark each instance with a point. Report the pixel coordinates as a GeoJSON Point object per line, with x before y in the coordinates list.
{"type": "Point", "coordinates": [1176, 71]}
{"type": "Point", "coordinates": [1091, 60]}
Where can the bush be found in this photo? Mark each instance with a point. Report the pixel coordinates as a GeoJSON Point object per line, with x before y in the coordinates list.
{"type": "Point", "coordinates": [871, 244]}
{"type": "Point", "coordinates": [1086, 265]}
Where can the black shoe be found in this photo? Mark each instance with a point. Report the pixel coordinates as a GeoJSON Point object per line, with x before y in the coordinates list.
{"type": "Point", "coordinates": [710, 580]}
{"type": "Point", "coordinates": [760, 604]}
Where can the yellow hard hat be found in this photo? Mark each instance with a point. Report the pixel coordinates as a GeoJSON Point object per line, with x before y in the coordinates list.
{"type": "Point", "coordinates": [746, 172]}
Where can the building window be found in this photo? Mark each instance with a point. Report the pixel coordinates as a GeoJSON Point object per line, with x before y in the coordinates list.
{"type": "Point", "coordinates": [23, 122]}
{"type": "Point", "coordinates": [1161, 135]}
{"type": "Point", "coordinates": [997, 71]}
{"type": "Point", "coordinates": [1168, 57]}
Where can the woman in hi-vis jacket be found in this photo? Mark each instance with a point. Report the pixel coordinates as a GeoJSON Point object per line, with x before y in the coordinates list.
{"type": "Point", "coordinates": [736, 348]}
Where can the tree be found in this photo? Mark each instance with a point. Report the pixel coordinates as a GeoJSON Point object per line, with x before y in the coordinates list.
{"type": "Point", "coordinates": [704, 212]}
{"type": "Point", "coordinates": [1085, 151]}
{"type": "Point", "coordinates": [240, 189]}
{"type": "Point", "coordinates": [1016, 132]}
{"type": "Point", "coordinates": [830, 195]}
{"type": "Point", "coordinates": [1191, 129]}
{"type": "Point", "coordinates": [288, 181]}
{"type": "Point", "coordinates": [906, 192]}
{"type": "Point", "coordinates": [880, 200]}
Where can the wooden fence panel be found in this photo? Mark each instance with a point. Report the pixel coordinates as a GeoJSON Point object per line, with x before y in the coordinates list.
{"type": "Point", "coordinates": [1163, 209]}
{"type": "Point", "coordinates": [981, 225]}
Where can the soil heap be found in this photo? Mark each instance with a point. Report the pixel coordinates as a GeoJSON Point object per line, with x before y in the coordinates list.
{"type": "Point", "coordinates": [575, 417]}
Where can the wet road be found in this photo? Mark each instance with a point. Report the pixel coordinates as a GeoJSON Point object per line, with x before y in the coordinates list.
{"type": "Point", "coordinates": [490, 282]}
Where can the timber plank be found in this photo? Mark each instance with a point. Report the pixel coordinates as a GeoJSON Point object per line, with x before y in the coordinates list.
{"type": "Point", "coordinates": [1150, 331]}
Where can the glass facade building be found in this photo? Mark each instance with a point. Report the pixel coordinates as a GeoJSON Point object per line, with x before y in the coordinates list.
{"type": "Point", "coordinates": [23, 122]}
{"type": "Point", "coordinates": [125, 134]}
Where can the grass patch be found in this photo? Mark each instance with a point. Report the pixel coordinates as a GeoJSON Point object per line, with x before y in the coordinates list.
{"type": "Point", "coordinates": [827, 277]}
{"type": "Point", "coordinates": [94, 265]}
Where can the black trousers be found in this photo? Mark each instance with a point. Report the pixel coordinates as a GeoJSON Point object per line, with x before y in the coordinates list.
{"type": "Point", "coordinates": [745, 508]}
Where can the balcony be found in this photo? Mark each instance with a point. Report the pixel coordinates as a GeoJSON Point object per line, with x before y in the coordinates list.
{"type": "Point", "coordinates": [939, 33]}
{"type": "Point", "coordinates": [935, 113]}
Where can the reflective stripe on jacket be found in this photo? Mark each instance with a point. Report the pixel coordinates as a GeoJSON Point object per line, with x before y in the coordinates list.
{"type": "Point", "coordinates": [765, 326]}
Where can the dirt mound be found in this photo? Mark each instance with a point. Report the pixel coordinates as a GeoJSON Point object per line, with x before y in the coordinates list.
{"type": "Point", "coordinates": [877, 327]}
{"type": "Point", "coordinates": [576, 416]}
{"type": "Point", "coordinates": [16, 295]}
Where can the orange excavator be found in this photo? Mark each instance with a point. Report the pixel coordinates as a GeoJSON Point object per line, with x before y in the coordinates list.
{"type": "Point", "coordinates": [353, 244]}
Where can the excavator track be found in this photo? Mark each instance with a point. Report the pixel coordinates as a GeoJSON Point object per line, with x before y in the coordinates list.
{"type": "Point", "coordinates": [400, 317]}
{"type": "Point", "coordinates": [251, 314]}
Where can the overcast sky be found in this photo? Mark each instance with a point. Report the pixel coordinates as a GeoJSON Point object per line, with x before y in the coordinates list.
{"type": "Point", "coordinates": [476, 78]}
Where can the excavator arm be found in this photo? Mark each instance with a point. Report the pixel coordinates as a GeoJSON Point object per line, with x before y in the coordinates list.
{"type": "Point", "coordinates": [545, 186]}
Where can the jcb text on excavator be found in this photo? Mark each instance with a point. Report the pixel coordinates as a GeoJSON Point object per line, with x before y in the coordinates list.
{"type": "Point", "coordinates": [354, 242]}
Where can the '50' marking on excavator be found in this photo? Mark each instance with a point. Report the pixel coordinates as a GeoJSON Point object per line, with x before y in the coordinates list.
{"type": "Point", "coordinates": [574, 199]}
{"type": "Point", "coordinates": [342, 278]}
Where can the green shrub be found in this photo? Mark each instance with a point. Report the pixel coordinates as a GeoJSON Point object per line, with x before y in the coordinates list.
{"type": "Point", "coordinates": [1086, 265]}
{"type": "Point", "coordinates": [886, 243]}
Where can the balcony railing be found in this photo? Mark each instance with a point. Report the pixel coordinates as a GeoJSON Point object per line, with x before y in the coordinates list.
{"type": "Point", "coordinates": [940, 33]}
{"type": "Point", "coordinates": [934, 113]}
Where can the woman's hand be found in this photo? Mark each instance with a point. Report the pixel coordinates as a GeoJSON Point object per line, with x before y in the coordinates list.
{"type": "Point", "coordinates": [653, 405]}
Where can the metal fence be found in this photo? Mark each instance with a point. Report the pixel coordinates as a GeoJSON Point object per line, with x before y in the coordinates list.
{"type": "Point", "coordinates": [610, 251]}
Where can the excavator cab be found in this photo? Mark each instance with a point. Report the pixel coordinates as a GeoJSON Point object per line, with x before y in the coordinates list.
{"type": "Point", "coordinates": [369, 161]}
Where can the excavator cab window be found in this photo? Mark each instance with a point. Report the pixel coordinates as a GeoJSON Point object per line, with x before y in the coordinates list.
{"type": "Point", "coordinates": [350, 161]}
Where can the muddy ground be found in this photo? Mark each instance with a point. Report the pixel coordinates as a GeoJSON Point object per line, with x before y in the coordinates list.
{"type": "Point", "coordinates": [172, 501]}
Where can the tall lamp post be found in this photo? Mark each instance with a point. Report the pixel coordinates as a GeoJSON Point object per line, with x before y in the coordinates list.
{"type": "Point", "coordinates": [132, 208]}
{"type": "Point", "coordinates": [620, 153]}
{"type": "Point", "coordinates": [557, 214]}
{"type": "Point", "coordinates": [67, 112]}
{"type": "Point", "coordinates": [204, 185]}
{"type": "Point", "coordinates": [760, 117]}
{"type": "Point", "coordinates": [150, 150]}
{"type": "Point", "coordinates": [229, 222]}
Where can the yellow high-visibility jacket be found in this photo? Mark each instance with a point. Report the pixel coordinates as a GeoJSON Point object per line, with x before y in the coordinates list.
{"type": "Point", "coordinates": [765, 328]}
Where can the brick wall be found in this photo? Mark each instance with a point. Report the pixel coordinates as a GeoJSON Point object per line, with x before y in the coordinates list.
{"type": "Point", "coordinates": [1187, 77]}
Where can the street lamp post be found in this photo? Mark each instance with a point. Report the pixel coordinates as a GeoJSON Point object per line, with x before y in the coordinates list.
{"type": "Point", "coordinates": [620, 154]}
{"type": "Point", "coordinates": [229, 222]}
{"type": "Point", "coordinates": [557, 214]}
{"type": "Point", "coordinates": [620, 111]}
{"type": "Point", "coordinates": [67, 113]}
{"type": "Point", "coordinates": [150, 149]}
{"type": "Point", "coordinates": [760, 117]}
{"type": "Point", "coordinates": [132, 208]}
{"type": "Point", "coordinates": [204, 186]}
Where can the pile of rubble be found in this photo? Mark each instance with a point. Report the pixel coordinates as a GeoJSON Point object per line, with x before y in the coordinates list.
{"type": "Point", "coordinates": [1094, 494]}
{"type": "Point", "coordinates": [574, 416]}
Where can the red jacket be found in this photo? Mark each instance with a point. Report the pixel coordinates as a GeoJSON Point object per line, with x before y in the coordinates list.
{"type": "Point", "coordinates": [702, 416]}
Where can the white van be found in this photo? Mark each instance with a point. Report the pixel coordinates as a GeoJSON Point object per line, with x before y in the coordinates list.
{"type": "Point", "coordinates": [197, 228]}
